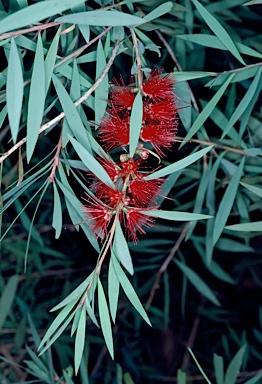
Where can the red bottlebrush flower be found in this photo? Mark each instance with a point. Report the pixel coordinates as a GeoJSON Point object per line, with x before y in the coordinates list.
{"type": "Point", "coordinates": [111, 168]}
{"type": "Point", "coordinates": [144, 191]}
{"type": "Point", "coordinates": [114, 131]}
{"type": "Point", "coordinates": [111, 197]}
{"type": "Point", "coordinates": [129, 167]}
{"type": "Point", "coordinates": [98, 216]}
{"type": "Point", "coordinates": [122, 97]}
{"type": "Point", "coordinates": [164, 110]}
{"type": "Point", "coordinates": [157, 87]}
{"type": "Point", "coordinates": [135, 220]}
{"type": "Point", "coordinates": [159, 135]}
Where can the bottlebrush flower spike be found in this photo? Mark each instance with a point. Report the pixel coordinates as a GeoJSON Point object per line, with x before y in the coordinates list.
{"type": "Point", "coordinates": [135, 220]}
{"type": "Point", "coordinates": [122, 97]}
{"type": "Point", "coordinates": [114, 131]}
{"type": "Point", "coordinates": [157, 87]}
{"type": "Point", "coordinates": [165, 110]}
{"type": "Point", "coordinates": [111, 197]}
{"type": "Point", "coordinates": [160, 135]}
{"type": "Point", "coordinates": [98, 216]}
{"type": "Point", "coordinates": [144, 191]}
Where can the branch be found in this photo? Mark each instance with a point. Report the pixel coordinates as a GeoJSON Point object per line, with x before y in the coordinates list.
{"type": "Point", "coordinates": [27, 30]}
{"type": "Point", "coordinates": [78, 102]}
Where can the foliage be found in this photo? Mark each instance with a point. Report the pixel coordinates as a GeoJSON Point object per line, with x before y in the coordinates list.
{"type": "Point", "coordinates": [173, 245]}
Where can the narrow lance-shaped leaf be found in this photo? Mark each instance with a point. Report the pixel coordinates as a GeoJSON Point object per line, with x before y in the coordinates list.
{"type": "Point", "coordinates": [243, 103]}
{"type": "Point", "coordinates": [71, 113]}
{"type": "Point", "coordinates": [8, 295]}
{"type": "Point", "coordinates": [135, 123]}
{"type": "Point", "coordinates": [80, 339]}
{"type": "Point", "coordinates": [256, 226]}
{"type": "Point", "coordinates": [218, 30]}
{"type": "Point", "coordinates": [198, 283]}
{"type": "Point", "coordinates": [219, 368]}
{"type": "Point", "coordinates": [175, 215]}
{"type": "Point", "coordinates": [205, 113]}
{"type": "Point", "coordinates": [128, 289]}
{"type": "Point", "coordinates": [121, 249]}
{"type": "Point", "coordinates": [102, 18]}
{"type": "Point", "coordinates": [14, 89]}
{"type": "Point", "coordinates": [159, 11]}
{"type": "Point", "coordinates": [57, 213]}
{"type": "Point", "coordinates": [113, 290]}
{"type": "Point", "coordinates": [36, 101]}
{"type": "Point", "coordinates": [227, 202]}
{"type": "Point", "coordinates": [252, 188]}
{"type": "Point", "coordinates": [105, 319]}
{"type": "Point", "coordinates": [91, 163]}
{"type": "Point", "coordinates": [234, 366]}
{"type": "Point", "coordinates": [50, 59]}
{"type": "Point", "coordinates": [179, 164]}
{"type": "Point", "coordinates": [34, 13]}
{"type": "Point", "coordinates": [101, 93]}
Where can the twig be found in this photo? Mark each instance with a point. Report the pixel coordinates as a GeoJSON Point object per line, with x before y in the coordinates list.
{"type": "Point", "coordinates": [40, 27]}
{"type": "Point", "coordinates": [138, 60]}
{"type": "Point", "coordinates": [78, 102]}
{"type": "Point", "coordinates": [190, 342]}
{"type": "Point", "coordinates": [203, 142]}
{"type": "Point", "coordinates": [56, 159]}
{"type": "Point", "coordinates": [173, 57]}
{"type": "Point", "coordinates": [165, 265]}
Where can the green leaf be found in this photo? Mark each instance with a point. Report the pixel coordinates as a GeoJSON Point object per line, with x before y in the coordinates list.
{"type": "Point", "coordinates": [204, 114]}
{"type": "Point", "coordinates": [101, 92]}
{"type": "Point", "coordinates": [256, 190]}
{"type": "Point", "coordinates": [57, 213]}
{"type": "Point", "coordinates": [7, 298]}
{"type": "Point", "coordinates": [213, 42]}
{"type": "Point", "coordinates": [175, 215]}
{"type": "Point", "coordinates": [246, 227]}
{"type": "Point", "coordinates": [14, 89]}
{"type": "Point", "coordinates": [113, 290]}
{"type": "Point", "coordinates": [74, 295]}
{"type": "Point", "coordinates": [36, 101]}
{"type": "Point", "coordinates": [80, 339]}
{"type": "Point", "coordinates": [253, 2]}
{"type": "Point", "coordinates": [234, 366]}
{"type": "Point", "coordinates": [58, 333]}
{"type": "Point", "coordinates": [91, 312]}
{"type": "Point", "coordinates": [181, 377]}
{"type": "Point", "coordinates": [227, 202]}
{"type": "Point", "coordinates": [50, 59]}
{"type": "Point", "coordinates": [159, 11]}
{"type": "Point", "coordinates": [219, 368]}
{"type": "Point", "coordinates": [243, 103]}
{"type": "Point", "coordinates": [72, 116]}
{"type": "Point", "coordinates": [184, 76]}
{"type": "Point", "coordinates": [105, 319]}
{"type": "Point", "coordinates": [257, 378]}
{"type": "Point", "coordinates": [62, 316]}
{"type": "Point", "coordinates": [181, 164]}
{"type": "Point", "coordinates": [135, 123]}
{"type": "Point", "coordinates": [129, 290]}
{"type": "Point", "coordinates": [34, 13]}
{"type": "Point", "coordinates": [218, 30]}
{"type": "Point", "coordinates": [102, 19]}
{"type": "Point", "coordinates": [199, 366]}
{"type": "Point", "coordinates": [92, 164]}
{"type": "Point", "coordinates": [121, 249]}
{"type": "Point", "coordinates": [198, 283]}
